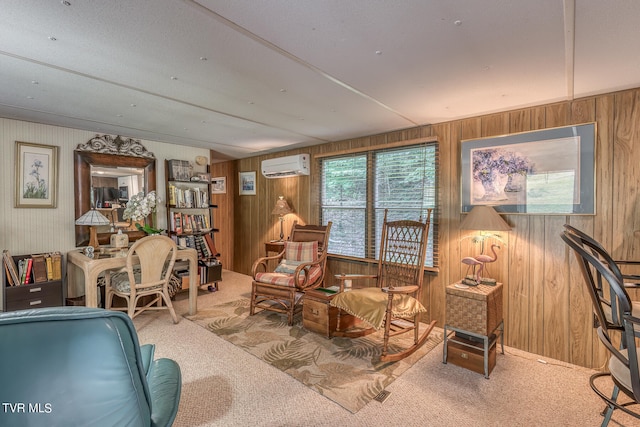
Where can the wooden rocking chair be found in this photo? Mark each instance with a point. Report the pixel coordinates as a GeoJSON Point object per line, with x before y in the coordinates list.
{"type": "Point", "coordinates": [395, 300]}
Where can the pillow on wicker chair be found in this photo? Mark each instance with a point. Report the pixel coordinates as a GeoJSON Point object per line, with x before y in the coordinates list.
{"type": "Point", "coordinates": [287, 267]}
{"type": "Point", "coordinates": [301, 251]}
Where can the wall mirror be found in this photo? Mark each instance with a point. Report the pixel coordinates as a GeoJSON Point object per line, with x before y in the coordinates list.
{"type": "Point", "coordinates": [107, 172]}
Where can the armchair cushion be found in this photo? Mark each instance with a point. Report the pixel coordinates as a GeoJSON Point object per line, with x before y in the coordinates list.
{"type": "Point", "coordinates": [301, 251]}
{"type": "Point", "coordinates": [369, 305]}
{"type": "Point", "coordinates": [283, 279]}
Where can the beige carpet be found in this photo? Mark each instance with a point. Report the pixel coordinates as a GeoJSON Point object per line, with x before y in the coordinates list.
{"type": "Point", "coordinates": [347, 371]}
{"type": "Point", "coordinates": [223, 385]}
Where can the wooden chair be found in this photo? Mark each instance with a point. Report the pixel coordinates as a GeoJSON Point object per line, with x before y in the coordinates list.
{"type": "Point", "coordinates": [300, 266]}
{"type": "Point", "coordinates": [149, 267]}
{"type": "Point", "coordinates": [614, 311]}
{"type": "Point", "coordinates": [394, 303]}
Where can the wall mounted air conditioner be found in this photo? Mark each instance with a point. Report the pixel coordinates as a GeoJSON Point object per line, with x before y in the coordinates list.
{"type": "Point", "coordinates": [282, 167]}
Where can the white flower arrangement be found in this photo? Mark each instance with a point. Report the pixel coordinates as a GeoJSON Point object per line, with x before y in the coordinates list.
{"type": "Point", "coordinates": [141, 206]}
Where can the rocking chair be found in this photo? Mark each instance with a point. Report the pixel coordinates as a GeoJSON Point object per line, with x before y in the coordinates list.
{"type": "Point", "coordinates": [395, 300]}
{"type": "Point", "coordinates": [301, 267]}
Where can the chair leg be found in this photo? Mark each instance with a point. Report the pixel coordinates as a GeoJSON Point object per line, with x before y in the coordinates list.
{"type": "Point", "coordinates": [131, 306]}
{"type": "Point", "coordinates": [608, 411]}
{"type": "Point", "coordinates": [167, 300]}
{"type": "Point", "coordinates": [252, 308]}
{"type": "Point", "coordinates": [108, 298]}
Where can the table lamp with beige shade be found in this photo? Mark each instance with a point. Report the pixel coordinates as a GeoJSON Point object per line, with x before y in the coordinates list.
{"type": "Point", "coordinates": [281, 209]}
{"type": "Point", "coordinates": [485, 219]}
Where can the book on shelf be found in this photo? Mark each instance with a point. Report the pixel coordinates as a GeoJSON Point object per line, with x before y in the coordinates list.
{"type": "Point", "coordinates": [11, 268]}
{"type": "Point", "coordinates": [49, 263]}
{"type": "Point", "coordinates": [177, 226]}
{"type": "Point", "coordinates": [172, 195]}
{"type": "Point", "coordinates": [39, 268]}
{"type": "Point", "coordinates": [56, 265]}
{"type": "Point", "coordinates": [27, 276]}
{"type": "Point", "coordinates": [211, 244]}
{"type": "Point", "coordinates": [24, 268]}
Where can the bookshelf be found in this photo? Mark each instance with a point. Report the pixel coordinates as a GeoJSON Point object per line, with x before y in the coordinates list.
{"type": "Point", "coordinates": [43, 288]}
{"type": "Point", "coordinates": [190, 218]}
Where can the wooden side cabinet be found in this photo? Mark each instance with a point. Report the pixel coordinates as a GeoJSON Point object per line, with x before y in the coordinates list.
{"type": "Point", "coordinates": [473, 325]}
{"type": "Point", "coordinates": [33, 295]}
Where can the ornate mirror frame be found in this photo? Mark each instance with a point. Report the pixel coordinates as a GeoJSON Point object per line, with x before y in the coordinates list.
{"type": "Point", "coordinates": [107, 151]}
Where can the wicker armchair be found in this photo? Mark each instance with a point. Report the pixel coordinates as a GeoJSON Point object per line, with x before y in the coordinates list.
{"type": "Point", "coordinates": [301, 266]}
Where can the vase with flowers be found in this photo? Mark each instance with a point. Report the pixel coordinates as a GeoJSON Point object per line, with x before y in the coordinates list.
{"type": "Point", "coordinates": [139, 207]}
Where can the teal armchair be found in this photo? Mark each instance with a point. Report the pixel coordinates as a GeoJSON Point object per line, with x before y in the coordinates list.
{"type": "Point", "coordinates": [78, 366]}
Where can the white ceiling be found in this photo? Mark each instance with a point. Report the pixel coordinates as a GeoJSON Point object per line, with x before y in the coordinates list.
{"type": "Point", "coordinates": [281, 74]}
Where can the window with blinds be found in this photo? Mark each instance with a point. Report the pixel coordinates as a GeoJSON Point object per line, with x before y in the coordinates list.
{"type": "Point", "coordinates": [356, 189]}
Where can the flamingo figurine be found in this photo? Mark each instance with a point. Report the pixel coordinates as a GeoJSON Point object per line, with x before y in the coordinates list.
{"type": "Point", "coordinates": [472, 263]}
{"type": "Point", "coordinates": [486, 259]}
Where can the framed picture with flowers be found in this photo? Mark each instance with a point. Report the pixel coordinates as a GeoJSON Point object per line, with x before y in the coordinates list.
{"type": "Point", "coordinates": [546, 172]}
{"type": "Point", "coordinates": [36, 175]}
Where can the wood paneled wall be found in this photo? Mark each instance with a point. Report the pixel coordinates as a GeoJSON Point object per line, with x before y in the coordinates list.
{"type": "Point", "coordinates": [547, 310]}
{"type": "Point", "coordinates": [223, 215]}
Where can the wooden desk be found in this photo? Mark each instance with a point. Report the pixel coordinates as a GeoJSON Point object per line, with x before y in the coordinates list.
{"type": "Point", "coordinates": [92, 267]}
{"type": "Point", "coordinates": [276, 246]}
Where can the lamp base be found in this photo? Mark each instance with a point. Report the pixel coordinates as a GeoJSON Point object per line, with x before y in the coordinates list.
{"type": "Point", "coordinates": [281, 231]}
{"type": "Point", "coordinates": [93, 237]}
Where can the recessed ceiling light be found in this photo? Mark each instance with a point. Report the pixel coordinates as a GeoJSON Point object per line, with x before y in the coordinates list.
{"type": "Point", "coordinates": [133, 105]}
{"type": "Point", "coordinates": [29, 97]}
{"type": "Point", "coordinates": [66, 3]}
{"type": "Point", "coordinates": [457, 22]}
{"type": "Point", "coordinates": [378, 52]}
{"type": "Point", "coordinates": [174, 78]}
{"type": "Point", "coordinates": [250, 102]}
{"type": "Point", "coordinates": [118, 115]}
{"type": "Point", "coordinates": [34, 82]}
{"type": "Point", "coordinates": [52, 38]}
{"type": "Point", "coordinates": [202, 58]}
{"type": "Point", "coordinates": [283, 90]}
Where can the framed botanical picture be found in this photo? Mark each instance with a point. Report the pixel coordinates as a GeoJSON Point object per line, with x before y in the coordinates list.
{"type": "Point", "coordinates": [219, 185]}
{"type": "Point", "coordinates": [36, 175]}
{"type": "Point", "coordinates": [247, 181]}
{"type": "Point", "coordinates": [549, 171]}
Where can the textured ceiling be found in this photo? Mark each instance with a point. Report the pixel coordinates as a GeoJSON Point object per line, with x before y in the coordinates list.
{"type": "Point", "coordinates": [246, 77]}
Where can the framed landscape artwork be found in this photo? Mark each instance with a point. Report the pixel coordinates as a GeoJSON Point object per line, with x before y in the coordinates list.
{"type": "Point", "coordinates": [545, 172]}
{"type": "Point", "coordinates": [247, 183]}
{"type": "Point", "coordinates": [36, 175]}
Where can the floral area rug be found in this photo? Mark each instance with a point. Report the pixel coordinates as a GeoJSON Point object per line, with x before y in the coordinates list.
{"type": "Point", "coordinates": [345, 370]}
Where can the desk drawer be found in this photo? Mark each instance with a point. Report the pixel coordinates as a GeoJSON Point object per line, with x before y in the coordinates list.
{"type": "Point", "coordinates": [38, 295]}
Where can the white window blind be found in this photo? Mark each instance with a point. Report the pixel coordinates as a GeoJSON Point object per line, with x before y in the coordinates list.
{"type": "Point", "coordinates": [356, 189]}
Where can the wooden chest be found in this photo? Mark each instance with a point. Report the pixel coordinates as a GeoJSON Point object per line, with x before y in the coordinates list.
{"type": "Point", "coordinates": [318, 316]}
{"type": "Point", "coordinates": [470, 355]}
{"type": "Point", "coordinates": [476, 309]}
